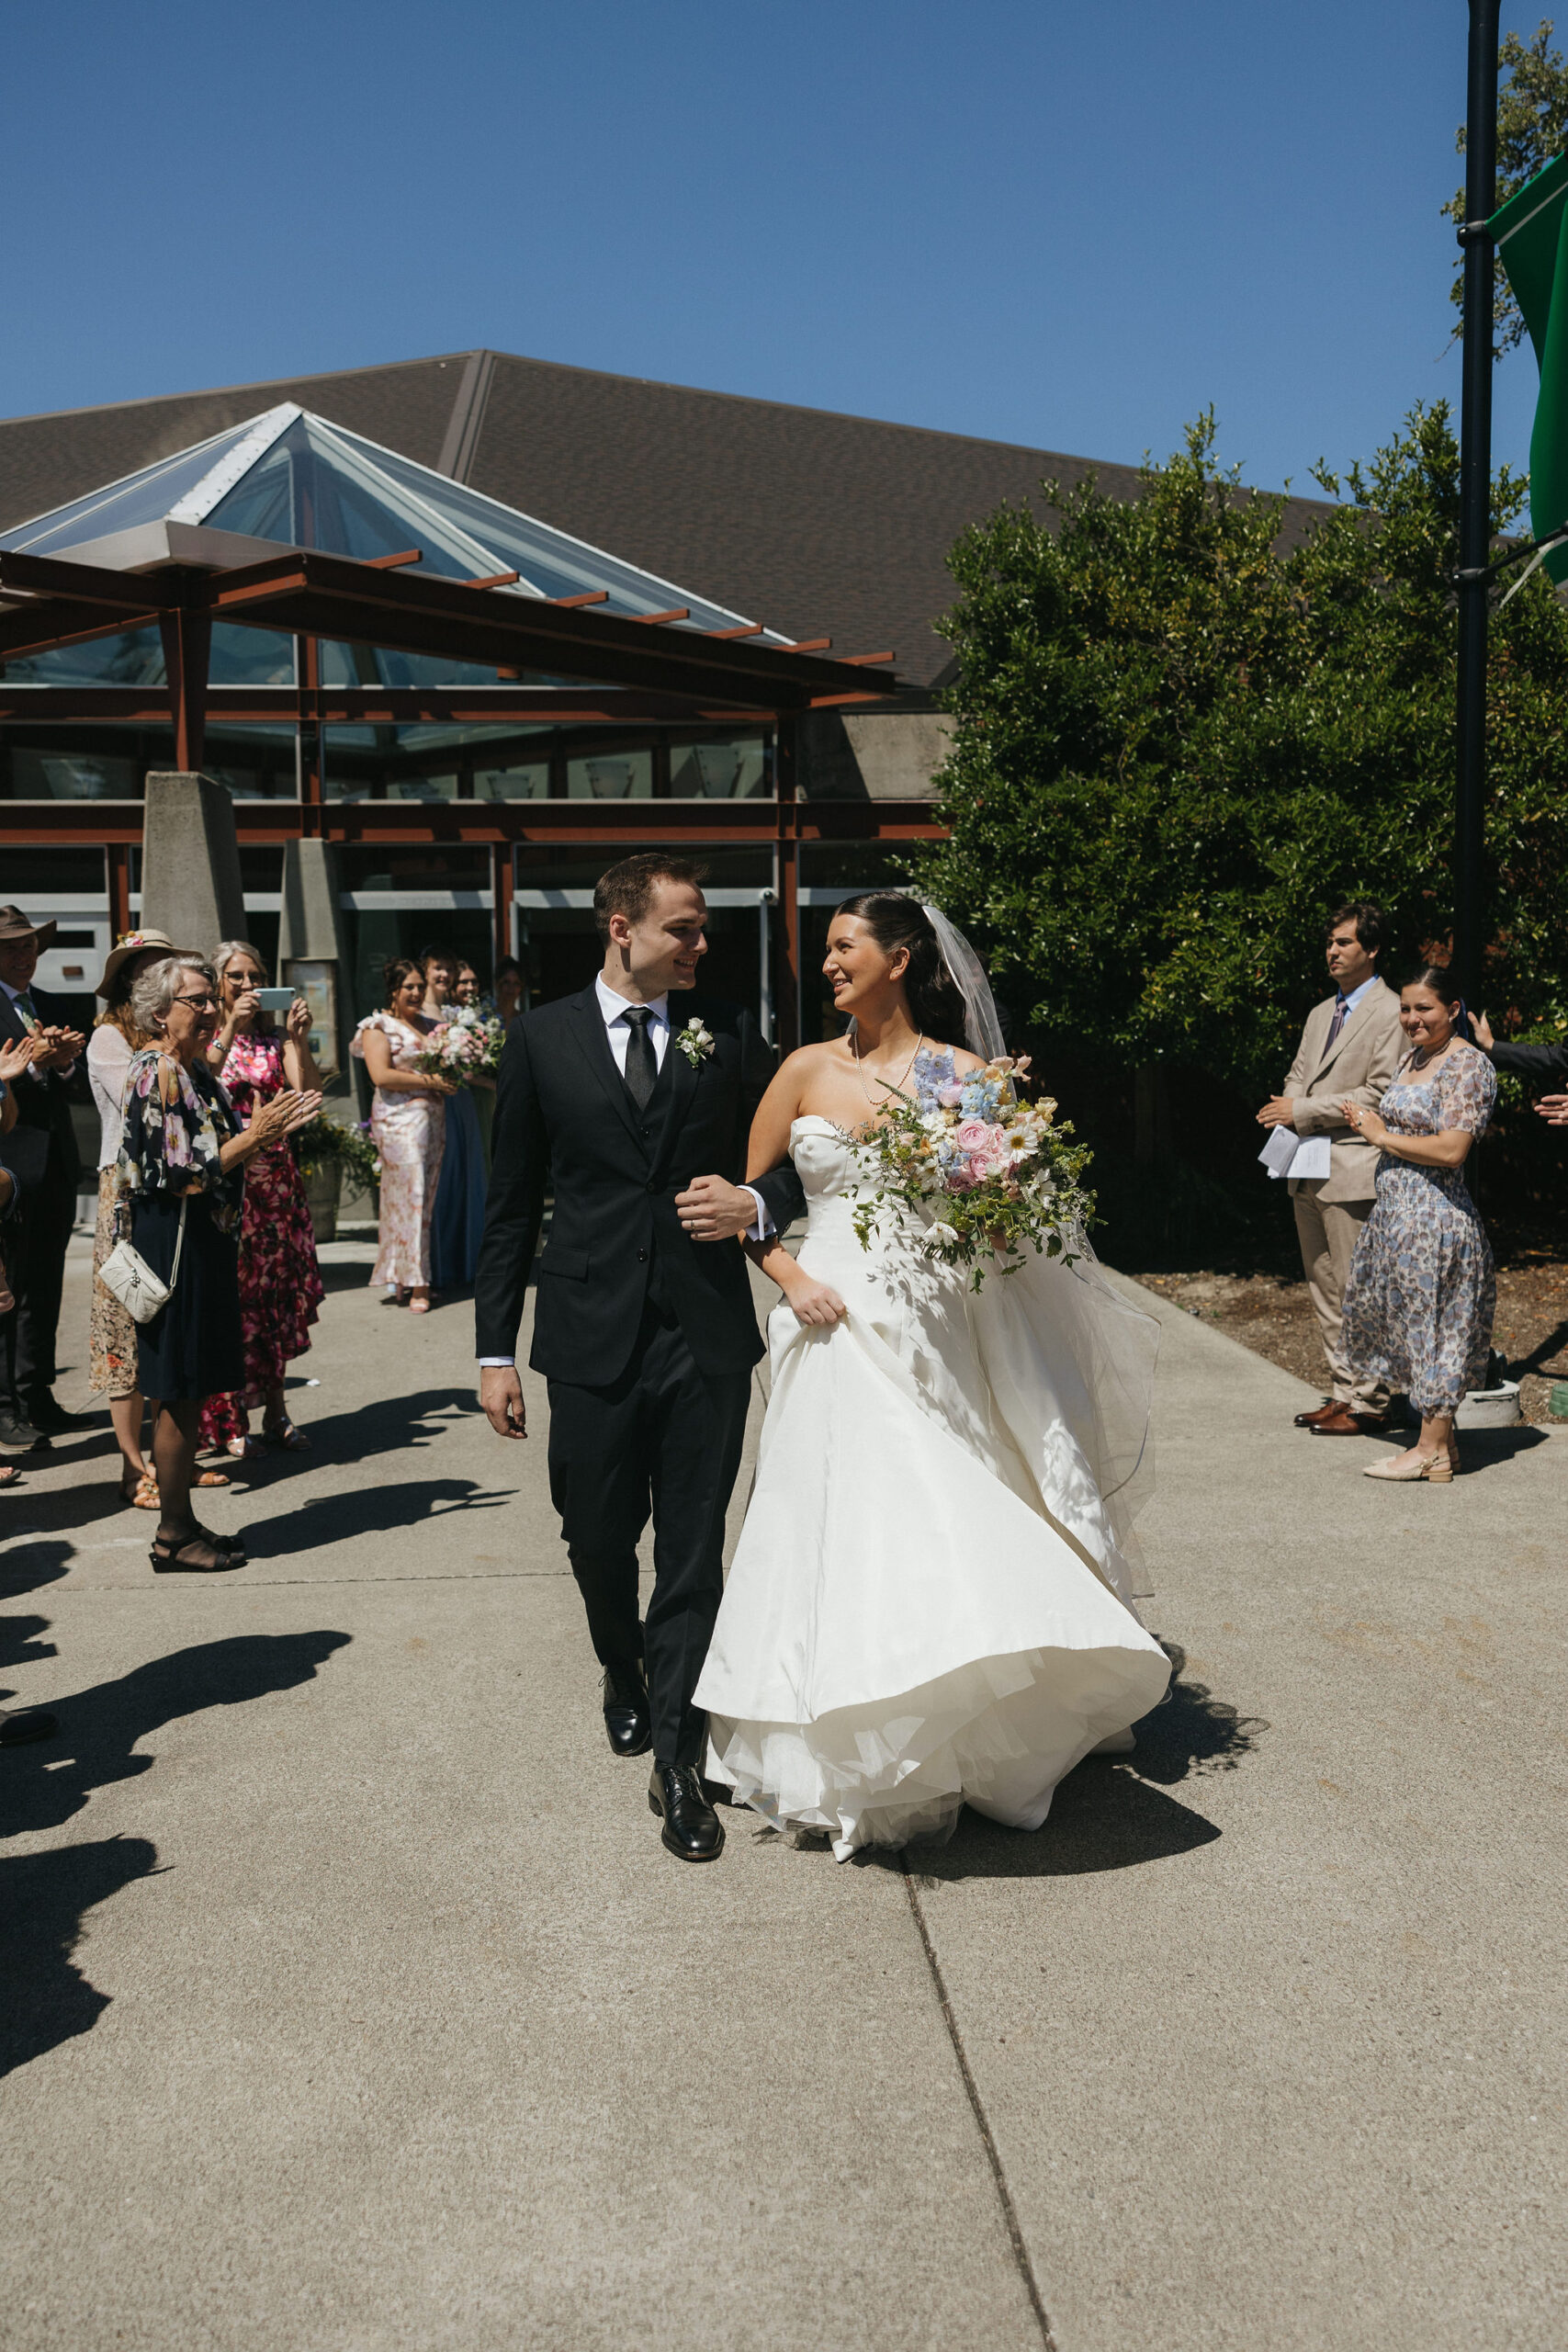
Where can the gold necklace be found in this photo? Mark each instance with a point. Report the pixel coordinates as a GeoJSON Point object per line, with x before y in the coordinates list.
{"type": "Point", "coordinates": [859, 1072]}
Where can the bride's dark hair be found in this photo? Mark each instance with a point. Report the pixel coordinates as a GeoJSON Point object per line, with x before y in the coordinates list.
{"type": "Point", "coordinates": [894, 920]}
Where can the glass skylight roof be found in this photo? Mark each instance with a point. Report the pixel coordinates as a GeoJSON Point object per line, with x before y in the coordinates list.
{"type": "Point", "coordinates": [144, 497]}
{"type": "Point", "coordinates": [298, 480]}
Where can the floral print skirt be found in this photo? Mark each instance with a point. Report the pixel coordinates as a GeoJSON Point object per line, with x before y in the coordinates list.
{"type": "Point", "coordinates": [111, 1334]}
{"type": "Point", "coordinates": [1423, 1290]}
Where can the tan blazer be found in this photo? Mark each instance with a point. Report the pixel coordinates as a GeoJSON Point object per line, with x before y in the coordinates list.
{"type": "Point", "coordinates": [1366, 1054]}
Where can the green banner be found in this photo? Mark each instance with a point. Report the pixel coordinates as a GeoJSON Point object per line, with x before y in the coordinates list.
{"type": "Point", "coordinates": [1531, 234]}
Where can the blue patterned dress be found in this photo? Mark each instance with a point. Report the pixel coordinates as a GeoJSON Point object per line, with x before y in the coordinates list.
{"type": "Point", "coordinates": [1423, 1291]}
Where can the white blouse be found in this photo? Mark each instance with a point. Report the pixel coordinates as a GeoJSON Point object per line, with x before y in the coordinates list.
{"type": "Point", "coordinates": [108, 1058]}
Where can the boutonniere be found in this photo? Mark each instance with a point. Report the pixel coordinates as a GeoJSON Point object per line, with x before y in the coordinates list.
{"type": "Point", "coordinates": [695, 1042]}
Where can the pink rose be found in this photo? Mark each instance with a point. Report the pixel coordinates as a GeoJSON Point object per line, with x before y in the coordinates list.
{"type": "Point", "coordinates": [949, 1097]}
{"type": "Point", "coordinates": [972, 1136]}
{"type": "Point", "coordinates": [961, 1178]}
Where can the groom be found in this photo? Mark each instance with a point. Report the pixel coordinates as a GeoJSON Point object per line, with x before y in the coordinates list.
{"type": "Point", "coordinates": [644, 1330]}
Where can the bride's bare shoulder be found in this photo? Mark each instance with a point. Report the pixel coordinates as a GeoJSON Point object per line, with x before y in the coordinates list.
{"type": "Point", "coordinates": [811, 1061]}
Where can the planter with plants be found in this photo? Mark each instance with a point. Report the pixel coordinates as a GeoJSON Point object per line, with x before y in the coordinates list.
{"type": "Point", "coordinates": [326, 1150]}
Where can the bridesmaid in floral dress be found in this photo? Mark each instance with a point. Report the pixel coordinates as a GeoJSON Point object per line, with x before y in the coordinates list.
{"type": "Point", "coordinates": [280, 1278]}
{"type": "Point", "coordinates": [1422, 1290]}
{"type": "Point", "coordinates": [408, 1125]}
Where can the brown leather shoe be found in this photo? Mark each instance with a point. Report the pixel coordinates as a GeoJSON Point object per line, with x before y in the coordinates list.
{"type": "Point", "coordinates": [1343, 1422]}
{"type": "Point", "coordinates": [1324, 1412]}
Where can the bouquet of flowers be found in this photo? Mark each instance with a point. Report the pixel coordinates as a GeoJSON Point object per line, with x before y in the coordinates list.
{"type": "Point", "coordinates": [465, 1042]}
{"type": "Point", "coordinates": [985, 1173]}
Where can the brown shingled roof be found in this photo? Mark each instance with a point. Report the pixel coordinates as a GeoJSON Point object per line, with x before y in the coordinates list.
{"type": "Point", "coordinates": [815, 523]}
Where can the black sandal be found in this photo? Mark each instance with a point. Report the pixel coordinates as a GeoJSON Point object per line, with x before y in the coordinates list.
{"type": "Point", "coordinates": [235, 1544]}
{"type": "Point", "coordinates": [166, 1556]}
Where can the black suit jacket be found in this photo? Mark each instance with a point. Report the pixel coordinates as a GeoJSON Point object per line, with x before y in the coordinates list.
{"type": "Point", "coordinates": [564, 1113]}
{"type": "Point", "coordinates": [43, 1140]}
{"type": "Point", "coordinates": [1544, 1062]}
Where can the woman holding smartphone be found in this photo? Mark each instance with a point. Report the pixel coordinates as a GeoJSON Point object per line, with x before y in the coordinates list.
{"type": "Point", "coordinates": [280, 1278]}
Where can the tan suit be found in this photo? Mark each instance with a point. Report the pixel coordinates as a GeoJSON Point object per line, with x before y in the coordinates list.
{"type": "Point", "coordinates": [1332, 1209]}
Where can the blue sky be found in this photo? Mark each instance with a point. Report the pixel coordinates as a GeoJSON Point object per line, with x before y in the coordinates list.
{"type": "Point", "coordinates": [1072, 227]}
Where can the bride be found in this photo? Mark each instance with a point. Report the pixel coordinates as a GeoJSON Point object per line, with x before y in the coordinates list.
{"type": "Point", "coordinates": [931, 1600]}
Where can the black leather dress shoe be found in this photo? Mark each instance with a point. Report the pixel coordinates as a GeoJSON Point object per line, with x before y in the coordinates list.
{"type": "Point", "coordinates": [25, 1723]}
{"type": "Point", "coordinates": [15, 1430]}
{"type": "Point", "coordinates": [52, 1418]}
{"type": "Point", "coordinates": [628, 1720]}
{"type": "Point", "coordinates": [691, 1831]}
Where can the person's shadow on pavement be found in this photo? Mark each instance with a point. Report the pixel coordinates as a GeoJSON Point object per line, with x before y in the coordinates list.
{"type": "Point", "coordinates": [384, 1425]}
{"type": "Point", "coordinates": [44, 1998]}
{"type": "Point", "coordinates": [365, 1510]}
{"type": "Point", "coordinates": [43, 1785]}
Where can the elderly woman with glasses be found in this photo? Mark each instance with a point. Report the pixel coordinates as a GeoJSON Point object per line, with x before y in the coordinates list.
{"type": "Point", "coordinates": [181, 1167]}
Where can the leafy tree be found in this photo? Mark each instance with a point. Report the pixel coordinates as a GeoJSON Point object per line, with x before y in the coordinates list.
{"type": "Point", "coordinates": [1181, 739]}
{"type": "Point", "coordinates": [1532, 126]}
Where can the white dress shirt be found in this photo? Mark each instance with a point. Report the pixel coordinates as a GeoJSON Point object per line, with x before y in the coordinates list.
{"type": "Point", "coordinates": [619, 1029]}
{"type": "Point", "coordinates": [1353, 998]}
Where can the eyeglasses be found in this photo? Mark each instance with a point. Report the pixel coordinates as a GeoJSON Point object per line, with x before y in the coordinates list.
{"type": "Point", "coordinates": [198, 1004]}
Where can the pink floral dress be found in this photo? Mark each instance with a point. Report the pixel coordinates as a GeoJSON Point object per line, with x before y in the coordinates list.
{"type": "Point", "coordinates": [280, 1280]}
{"type": "Point", "coordinates": [409, 1133]}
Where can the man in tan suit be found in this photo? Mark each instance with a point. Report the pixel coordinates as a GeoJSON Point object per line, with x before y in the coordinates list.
{"type": "Point", "coordinates": [1351, 1047]}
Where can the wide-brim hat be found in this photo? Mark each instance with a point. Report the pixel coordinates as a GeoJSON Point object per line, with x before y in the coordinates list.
{"type": "Point", "coordinates": [135, 943]}
{"type": "Point", "coordinates": [13, 924]}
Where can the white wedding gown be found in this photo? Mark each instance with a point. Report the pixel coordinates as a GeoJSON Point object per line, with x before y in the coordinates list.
{"type": "Point", "coordinates": [931, 1601]}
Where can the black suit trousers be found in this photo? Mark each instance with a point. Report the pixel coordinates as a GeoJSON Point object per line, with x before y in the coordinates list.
{"type": "Point", "coordinates": [35, 1244]}
{"type": "Point", "coordinates": [663, 1440]}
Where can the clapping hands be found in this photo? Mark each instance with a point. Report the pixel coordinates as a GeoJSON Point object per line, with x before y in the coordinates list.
{"type": "Point", "coordinates": [15, 1059]}
{"type": "Point", "coordinates": [283, 1114]}
{"type": "Point", "coordinates": [55, 1048]}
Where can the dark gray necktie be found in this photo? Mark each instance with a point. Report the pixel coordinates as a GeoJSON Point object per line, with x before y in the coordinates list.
{"type": "Point", "coordinates": [642, 1069]}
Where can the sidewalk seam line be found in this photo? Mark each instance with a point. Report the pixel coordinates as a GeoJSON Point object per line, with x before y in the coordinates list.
{"type": "Point", "coordinates": [1004, 2194]}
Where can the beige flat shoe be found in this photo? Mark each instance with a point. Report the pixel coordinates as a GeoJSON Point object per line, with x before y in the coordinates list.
{"type": "Point", "coordinates": [1438, 1468]}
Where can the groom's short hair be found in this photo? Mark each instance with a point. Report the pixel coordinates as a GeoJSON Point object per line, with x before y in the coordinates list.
{"type": "Point", "coordinates": [627, 888]}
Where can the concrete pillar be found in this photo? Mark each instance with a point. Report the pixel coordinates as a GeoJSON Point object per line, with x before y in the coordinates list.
{"type": "Point", "coordinates": [312, 950]}
{"type": "Point", "coordinates": [190, 862]}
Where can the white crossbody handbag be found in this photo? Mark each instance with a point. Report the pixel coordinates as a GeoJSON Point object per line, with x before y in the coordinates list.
{"type": "Point", "coordinates": [125, 1273]}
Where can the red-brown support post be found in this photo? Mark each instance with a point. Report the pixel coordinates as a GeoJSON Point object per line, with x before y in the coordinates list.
{"type": "Point", "coordinates": [312, 791]}
{"type": "Point", "coordinates": [500, 902]}
{"type": "Point", "coordinates": [119, 856]}
{"type": "Point", "coordinates": [187, 642]}
{"type": "Point", "coordinates": [786, 1016]}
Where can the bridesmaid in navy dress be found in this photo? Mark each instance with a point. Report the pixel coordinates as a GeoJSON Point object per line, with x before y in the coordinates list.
{"type": "Point", "coordinates": [459, 1218]}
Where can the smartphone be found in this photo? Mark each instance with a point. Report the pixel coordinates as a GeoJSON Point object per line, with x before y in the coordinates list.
{"type": "Point", "coordinates": [275, 999]}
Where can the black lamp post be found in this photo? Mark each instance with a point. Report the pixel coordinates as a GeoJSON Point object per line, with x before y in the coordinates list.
{"type": "Point", "coordinates": [1475, 492]}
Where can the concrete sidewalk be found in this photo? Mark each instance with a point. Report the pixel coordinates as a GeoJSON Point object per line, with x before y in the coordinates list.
{"type": "Point", "coordinates": [391, 2024]}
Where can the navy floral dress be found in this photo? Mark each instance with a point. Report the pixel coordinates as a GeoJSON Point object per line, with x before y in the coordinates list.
{"type": "Point", "coordinates": [1423, 1291]}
